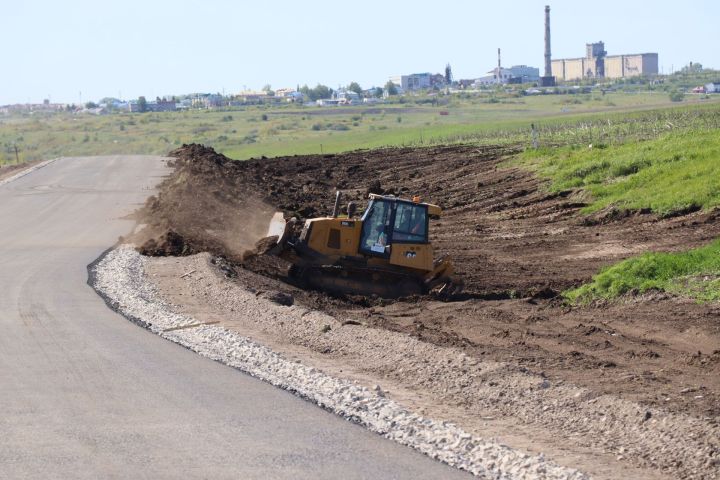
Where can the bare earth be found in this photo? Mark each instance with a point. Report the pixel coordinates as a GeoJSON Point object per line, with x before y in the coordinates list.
{"type": "Point", "coordinates": [632, 387]}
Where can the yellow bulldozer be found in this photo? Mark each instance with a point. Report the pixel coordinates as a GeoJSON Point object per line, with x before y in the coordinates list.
{"type": "Point", "coordinates": [385, 252]}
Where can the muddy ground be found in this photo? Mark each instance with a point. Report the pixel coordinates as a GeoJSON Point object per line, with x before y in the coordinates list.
{"type": "Point", "coordinates": [515, 244]}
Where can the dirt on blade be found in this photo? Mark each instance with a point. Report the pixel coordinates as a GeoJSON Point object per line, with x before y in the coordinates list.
{"type": "Point", "coordinates": [515, 244]}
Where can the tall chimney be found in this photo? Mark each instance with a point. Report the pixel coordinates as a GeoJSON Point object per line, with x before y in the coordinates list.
{"type": "Point", "coordinates": [499, 59]}
{"type": "Point", "coordinates": [548, 80]}
{"type": "Point", "coordinates": [548, 55]}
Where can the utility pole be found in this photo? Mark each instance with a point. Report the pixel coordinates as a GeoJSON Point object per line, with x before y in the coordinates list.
{"type": "Point", "coordinates": [17, 157]}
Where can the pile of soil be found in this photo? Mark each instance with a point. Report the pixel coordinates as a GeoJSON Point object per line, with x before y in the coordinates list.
{"type": "Point", "coordinates": [514, 243]}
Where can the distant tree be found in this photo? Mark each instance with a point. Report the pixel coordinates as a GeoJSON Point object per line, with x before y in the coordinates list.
{"type": "Point", "coordinates": [677, 96]}
{"type": "Point", "coordinates": [320, 91]}
{"type": "Point", "coordinates": [108, 101]}
{"type": "Point", "coordinates": [355, 87]}
{"type": "Point", "coordinates": [268, 89]}
{"type": "Point", "coordinates": [91, 105]}
{"type": "Point", "coordinates": [692, 68]}
{"type": "Point", "coordinates": [448, 74]}
{"type": "Point", "coordinates": [391, 88]}
{"type": "Point", "coordinates": [378, 92]}
{"type": "Point", "coordinates": [142, 104]}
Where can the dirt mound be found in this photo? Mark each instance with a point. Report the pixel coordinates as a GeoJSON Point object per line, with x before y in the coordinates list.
{"type": "Point", "coordinates": [205, 205]}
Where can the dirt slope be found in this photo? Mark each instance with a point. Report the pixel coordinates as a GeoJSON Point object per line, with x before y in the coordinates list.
{"type": "Point", "coordinates": [515, 245]}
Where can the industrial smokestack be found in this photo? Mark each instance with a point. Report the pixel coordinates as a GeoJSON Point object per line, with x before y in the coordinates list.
{"type": "Point", "coordinates": [548, 55]}
{"type": "Point", "coordinates": [548, 80]}
{"type": "Point", "coordinates": [499, 59]}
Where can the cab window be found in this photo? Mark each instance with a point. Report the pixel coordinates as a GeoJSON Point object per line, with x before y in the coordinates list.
{"type": "Point", "coordinates": [376, 228]}
{"type": "Point", "coordinates": [411, 223]}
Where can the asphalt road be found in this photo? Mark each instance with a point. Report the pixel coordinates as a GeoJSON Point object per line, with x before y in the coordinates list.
{"type": "Point", "coordinates": [86, 394]}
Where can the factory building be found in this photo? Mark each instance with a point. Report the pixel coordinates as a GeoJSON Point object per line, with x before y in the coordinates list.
{"type": "Point", "coordinates": [597, 64]}
{"type": "Point", "coordinates": [415, 81]}
{"type": "Point", "coordinates": [514, 74]}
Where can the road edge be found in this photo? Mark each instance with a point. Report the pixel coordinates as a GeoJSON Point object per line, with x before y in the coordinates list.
{"type": "Point", "coordinates": [27, 171]}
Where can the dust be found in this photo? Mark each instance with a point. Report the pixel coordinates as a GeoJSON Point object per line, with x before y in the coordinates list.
{"type": "Point", "coordinates": [243, 227]}
{"type": "Point", "coordinates": [201, 208]}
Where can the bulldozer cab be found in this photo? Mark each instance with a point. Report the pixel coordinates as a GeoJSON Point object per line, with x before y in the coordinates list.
{"type": "Point", "coordinates": [389, 220]}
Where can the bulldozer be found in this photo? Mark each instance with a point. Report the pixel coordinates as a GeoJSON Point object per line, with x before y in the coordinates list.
{"type": "Point", "coordinates": [385, 252]}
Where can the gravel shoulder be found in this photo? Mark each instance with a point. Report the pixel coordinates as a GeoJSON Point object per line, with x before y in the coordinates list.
{"type": "Point", "coordinates": [603, 435]}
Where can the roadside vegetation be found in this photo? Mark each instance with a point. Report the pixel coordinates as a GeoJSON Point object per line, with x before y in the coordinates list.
{"type": "Point", "coordinates": [677, 173]}
{"type": "Point", "coordinates": [694, 273]}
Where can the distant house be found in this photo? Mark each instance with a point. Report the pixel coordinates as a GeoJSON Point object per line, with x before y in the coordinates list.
{"type": "Point", "coordinates": [525, 74]}
{"type": "Point", "coordinates": [713, 87]}
{"type": "Point", "coordinates": [252, 96]}
{"type": "Point", "coordinates": [213, 100]}
{"type": "Point", "coordinates": [415, 81]}
{"type": "Point", "coordinates": [283, 92]}
{"type": "Point", "coordinates": [162, 106]}
{"type": "Point", "coordinates": [289, 95]}
{"type": "Point", "coordinates": [496, 76]}
{"type": "Point", "coordinates": [346, 97]}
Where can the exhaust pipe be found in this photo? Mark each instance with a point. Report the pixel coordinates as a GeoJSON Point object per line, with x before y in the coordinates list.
{"type": "Point", "coordinates": [336, 208]}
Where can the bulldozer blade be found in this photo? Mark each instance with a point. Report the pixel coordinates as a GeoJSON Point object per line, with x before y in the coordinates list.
{"type": "Point", "coordinates": [276, 228]}
{"type": "Point", "coordinates": [281, 229]}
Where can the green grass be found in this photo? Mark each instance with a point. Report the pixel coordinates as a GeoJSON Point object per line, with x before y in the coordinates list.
{"type": "Point", "coordinates": [694, 273]}
{"type": "Point", "coordinates": [242, 133]}
{"type": "Point", "coordinates": [675, 173]}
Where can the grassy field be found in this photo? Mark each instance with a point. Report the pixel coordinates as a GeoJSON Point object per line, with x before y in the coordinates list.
{"type": "Point", "coordinates": [675, 173]}
{"type": "Point", "coordinates": [273, 131]}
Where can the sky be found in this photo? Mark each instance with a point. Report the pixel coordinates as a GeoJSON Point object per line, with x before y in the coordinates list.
{"type": "Point", "coordinates": [83, 50]}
